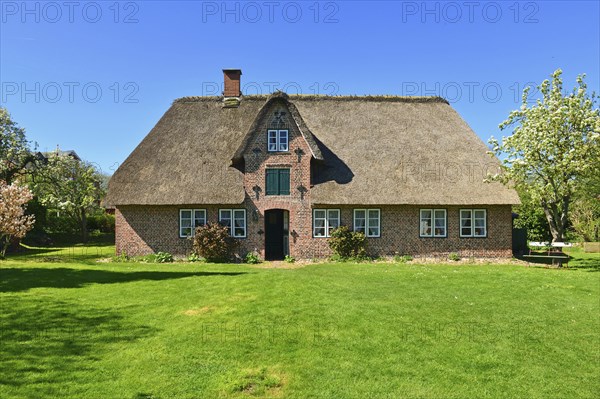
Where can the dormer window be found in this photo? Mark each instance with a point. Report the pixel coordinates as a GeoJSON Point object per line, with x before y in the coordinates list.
{"type": "Point", "coordinates": [278, 140]}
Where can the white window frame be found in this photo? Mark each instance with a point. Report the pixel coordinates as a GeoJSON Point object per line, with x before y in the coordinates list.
{"type": "Point", "coordinates": [232, 219]}
{"type": "Point", "coordinates": [367, 225]}
{"type": "Point", "coordinates": [278, 135]}
{"type": "Point", "coordinates": [432, 220]}
{"type": "Point", "coordinates": [473, 219]}
{"type": "Point", "coordinates": [193, 217]}
{"type": "Point", "coordinates": [327, 225]}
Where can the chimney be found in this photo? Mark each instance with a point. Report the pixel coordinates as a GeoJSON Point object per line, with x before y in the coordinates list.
{"type": "Point", "coordinates": [232, 82]}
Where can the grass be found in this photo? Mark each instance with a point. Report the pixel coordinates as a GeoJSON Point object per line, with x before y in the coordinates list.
{"type": "Point", "coordinates": [76, 328]}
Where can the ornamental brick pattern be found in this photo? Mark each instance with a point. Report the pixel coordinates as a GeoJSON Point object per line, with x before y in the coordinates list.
{"type": "Point", "coordinates": [146, 229]}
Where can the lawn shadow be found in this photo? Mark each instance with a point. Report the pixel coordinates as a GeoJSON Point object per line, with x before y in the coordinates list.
{"type": "Point", "coordinates": [47, 343]}
{"type": "Point", "coordinates": [587, 264]}
{"type": "Point", "coordinates": [23, 279]}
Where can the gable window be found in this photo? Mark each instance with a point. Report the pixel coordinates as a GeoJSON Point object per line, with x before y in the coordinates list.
{"type": "Point", "coordinates": [433, 223]}
{"type": "Point", "coordinates": [324, 221]}
{"type": "Point", "coordinates": [277, 181]}
{"type": "Point", "coordinates": [368, 221]}
{"type": "Point", "coordinates": [235, 220]}
{"type": "Point", "coordinates": [189, 219]}
{"type": "Point", "coordinates": [278, 140]}
{"type": "Point", "coordinates": [473, 223]}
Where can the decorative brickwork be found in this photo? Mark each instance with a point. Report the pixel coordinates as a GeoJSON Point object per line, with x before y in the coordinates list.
{"type": "Point", "coordinates": [146, 229]}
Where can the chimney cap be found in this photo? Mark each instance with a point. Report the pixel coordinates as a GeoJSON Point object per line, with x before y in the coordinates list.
{"type": "Point", "coordinates": [235, 70]}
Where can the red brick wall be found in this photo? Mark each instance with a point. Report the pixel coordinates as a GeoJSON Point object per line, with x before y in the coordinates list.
{"type": "Point", "coordinates": [147, 229]}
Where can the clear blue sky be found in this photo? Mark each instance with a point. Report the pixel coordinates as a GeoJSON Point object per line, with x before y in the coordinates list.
{"type": "Point", "coordinates": [54, 56]}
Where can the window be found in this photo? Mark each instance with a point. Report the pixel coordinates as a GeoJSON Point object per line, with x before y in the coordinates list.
{"type": "Point", "coordinates": [324, 221]}
{"type": "Point", "coordinates": [189, 219]}
{"type": "Point", "coordinates": [367, 221]}
{"type": "Point", "coordinates": [473, 223]}
{"type": "Point", "coordinates": [235, 219]}
{"type": "Point", "coordinates": [278, 182]}
{"type": "Point", "coordinates": [433, 223]}
{"type": "Point", "coordinates": [277, 140]}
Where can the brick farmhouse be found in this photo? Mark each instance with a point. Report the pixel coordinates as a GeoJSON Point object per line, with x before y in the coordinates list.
{"type": "Point", "coordinates": [283, 170]}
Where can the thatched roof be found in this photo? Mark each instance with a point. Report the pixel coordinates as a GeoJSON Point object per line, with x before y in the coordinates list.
{"type": "Point", "coordinates": [372, 150]}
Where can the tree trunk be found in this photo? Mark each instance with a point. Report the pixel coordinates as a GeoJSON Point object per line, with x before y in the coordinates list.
{"type": "Point", "coordinates": [557, 218]}
{"type": "Point", "coordinates": [84, 232]}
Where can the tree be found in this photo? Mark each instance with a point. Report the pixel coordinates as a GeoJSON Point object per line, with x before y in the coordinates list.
{"type": "Point", "coordinates": [14, 148]}
{"type": "Point", "coordinates": [554, 146]}
{"type": "Point", "coordinates": [71, 186]}
{"type": "Point", "coordinates": [14, 224]}
{"type": "Point", "coordinates": [585, 215]}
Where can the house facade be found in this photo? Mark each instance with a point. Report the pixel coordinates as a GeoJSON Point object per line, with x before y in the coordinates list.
{"type": "Point", "coordinates": [282, 171]}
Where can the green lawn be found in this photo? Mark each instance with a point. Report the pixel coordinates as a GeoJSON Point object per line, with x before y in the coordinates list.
{"type": "Point", "coordinates": [71, 327]}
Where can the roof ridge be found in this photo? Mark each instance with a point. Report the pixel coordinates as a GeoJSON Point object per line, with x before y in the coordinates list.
{"type": "Point", "coordinates": [321, 97]}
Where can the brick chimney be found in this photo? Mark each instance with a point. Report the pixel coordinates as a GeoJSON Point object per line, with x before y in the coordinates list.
{"type": "Point", "coordinates": [232, 82]}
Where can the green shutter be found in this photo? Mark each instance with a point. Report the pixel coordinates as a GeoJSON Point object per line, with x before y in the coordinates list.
{"type": "Point", "coordinates": [284, 182]}
{"type": "Point", "coordinates": [272, 181]}
{"type": "Point", "coordinates": [278, 182]}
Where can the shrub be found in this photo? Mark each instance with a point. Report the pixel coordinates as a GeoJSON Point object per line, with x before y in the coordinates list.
{"type": "Point", "coordinates": [194, 258]}
{"type": "Point", "coordinates": [120, 258]}
{"type": "Point", "coordinates": [213, 243]}
{"type": "Point", "coordinates": [102, 222]}
{"type": "Point", "coordinates": [252, 258]}
{"type": "Point", "coordinates": [454, 256]}
{"type": "Point", "coordinates": [163, 257]}
{"type": "Point", "coordinates": [402, 258]}
{"type": "Point", "coordinates": [347, 244]}
{"type": "Point", "coordinates": [289, 259]}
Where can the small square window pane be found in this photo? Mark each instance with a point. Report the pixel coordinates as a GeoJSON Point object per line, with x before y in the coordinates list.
{"type": "Point", "coordinates": [465, 214]}
{"type": "Point", "coordinates": [186, 231]}
{"type": "Point", "coordinates": [465, 222]}
{"type": "Point", "coordinates": [479, 222]}
{"type": "Point", "coordinates": [320, 213]}
{"type": "Point", "coordinates": [239, 232]}
{"type": "Point", "coordinates": [440, 214]}
{"type": "Point", "coordinates": [479, 231]}
{"type": "Point", "coordinates": [319, 223]}
{"type": "Point", "coordinates": [186, 214]}
{"type": "Point", "coordinates": [373, 231]}
{"type": "Point", "coordinates": [426, 214]}
{"type": "Point", "coordinates": [465, 231]}
{"type": "Point", "coordinates": [186, 222]}
{"type": "Point", "coordinates": [320, 232]}
{"type": "Point", "coordinates": [479, 214]}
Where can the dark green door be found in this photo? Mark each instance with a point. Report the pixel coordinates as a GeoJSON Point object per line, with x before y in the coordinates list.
{"type": "Point", "coordinates": [274, 234]}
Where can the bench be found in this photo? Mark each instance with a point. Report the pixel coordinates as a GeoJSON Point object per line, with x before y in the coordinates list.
{"type": "Point", "coordinates": [557, 256]}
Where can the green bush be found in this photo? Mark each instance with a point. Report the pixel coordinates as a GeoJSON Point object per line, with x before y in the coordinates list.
{"type": "Point", "coordinates": [120, 258]}
{"type": "Point", "coordinates": [102, 222]}
{"type": "Point", "coordinates": [454, 256]}
{"type": "Point", "coordinates": [194, 258]}
{"type": "Point", "coordinates": [347, 244]}
{"type": "Point", "coordinates": [252, 258]}
{"type": "Point", "coordinates": [289, 259]}
{"type": "Point", "coordinates": [402, 258]}
{"type": "Point", "coordinates": [163, 257]}
{"type": "Point", "coordinates": [213, 243]}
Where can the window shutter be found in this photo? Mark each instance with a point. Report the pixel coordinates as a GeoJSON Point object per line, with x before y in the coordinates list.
{"type": "Point", "coordinates": [272, 182]}
{"type": "Point", "coordinates": [284, 182]}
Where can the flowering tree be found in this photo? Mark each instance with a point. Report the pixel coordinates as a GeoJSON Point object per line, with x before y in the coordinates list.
{"type": "Point", "coordinates": [71, 186]}
{"type": "Point", "coordinates": [14, 224]}
{"type": "Point", "coordinates": [554, 148]}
